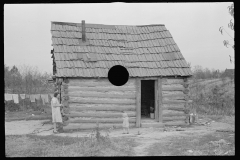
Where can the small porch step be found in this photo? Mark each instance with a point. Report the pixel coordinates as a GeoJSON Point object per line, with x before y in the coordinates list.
{"type": "Point", "coordinates": [153, 124]}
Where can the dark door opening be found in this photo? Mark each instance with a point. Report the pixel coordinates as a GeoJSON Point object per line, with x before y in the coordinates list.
{"type": "Point", "coordinates": [147, 99]}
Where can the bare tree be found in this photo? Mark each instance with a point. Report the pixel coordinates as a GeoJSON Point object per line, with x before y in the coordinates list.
{"type": "Point", "coordinates": [231, 26]}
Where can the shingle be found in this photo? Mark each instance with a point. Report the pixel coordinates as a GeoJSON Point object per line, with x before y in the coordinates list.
{"type": "Point", "coordinates": [165, 33]}
{"type": "Point", "coordinates": [173, 56]}
{"type": "Point", "coordinates": [164, 63]}
{"type": "Point", "coordinates": [174, 72]}
{"type": "Point", "coordinates": [188, 71]}
{"type": "Point", "coordinates": [178, 71]}
{"type": "Point", "coordinates": [169, 34]}
{"type": "Point", "coordinates": [53, 26]}
{"type": "Point", "coordinates": [164, 55]}
{"type": "Point", "coordinates": [170, 71]}
{"type": "Point", "coordinates": [181, 71]}
{"type": "Point", "coordinates": [79, 72]}
{"type": "Point", "coordinates": [146, 43]}
{"type": "Point", "coordinates": [162, 35]}
{"type": "Point", "coordinates": [176, 47]}
{"type": "Point", "coordinates": [175, 63]}
{"type": "Point", "coordinates": [158, 49]}
{"type": "Point", "coordinates": [179, 64]}
{"type": "Point", "coordinates": [155, 49]}
{"type": "Point", "coordinates": [75, 63]}
{"type": "Point", "coordinates": [185, 72]}
{"type": "Point", "coordinates": [163, 27]}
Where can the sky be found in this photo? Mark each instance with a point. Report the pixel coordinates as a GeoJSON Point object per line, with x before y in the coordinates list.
{"type": "Point", "coordinates": [194, 27]}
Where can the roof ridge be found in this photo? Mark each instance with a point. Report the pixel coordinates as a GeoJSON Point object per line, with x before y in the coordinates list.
{"type": "Point", "coordinates": [102, 25]}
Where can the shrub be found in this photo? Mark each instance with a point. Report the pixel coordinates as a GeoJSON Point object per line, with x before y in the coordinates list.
{"type": "Point", "coordinates": [212, 100]}
{"type": "Point", "coordinates": [11, 106]}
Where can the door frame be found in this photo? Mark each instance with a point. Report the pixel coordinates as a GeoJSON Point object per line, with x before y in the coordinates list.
{"type": "Point", "coordinates": [157, 99]}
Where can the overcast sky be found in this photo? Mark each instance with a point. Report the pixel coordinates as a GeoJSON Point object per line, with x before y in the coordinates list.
{"type": "Point", "coordinates": [194, 27]}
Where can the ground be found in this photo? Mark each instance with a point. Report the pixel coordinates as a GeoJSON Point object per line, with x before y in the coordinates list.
{"type": "Point", "coordinates": [215, 138]}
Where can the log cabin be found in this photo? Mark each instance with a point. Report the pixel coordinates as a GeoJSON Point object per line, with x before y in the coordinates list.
{"type": "Point", "coordinates": [84, 53]}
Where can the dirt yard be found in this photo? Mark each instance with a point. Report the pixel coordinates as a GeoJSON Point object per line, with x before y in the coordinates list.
{"type": "Point", "coordinates": [212, 136]}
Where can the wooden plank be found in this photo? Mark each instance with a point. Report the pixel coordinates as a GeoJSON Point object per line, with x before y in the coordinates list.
{"type": "Point", "coordinates": [105, 89]}
{"type": "Point", "coordinates": [98, 114]}
{"type": "Point", "coordinates": [149, 78]}
{"type": "Point", "coordinates": [167, 88]}
{"type": "Point", "coordinates": [100, 120]}
{"type": "Point", "coordinates": [87, 126]}
{"type": "Point", "coordinates": [175, 96]}
{"type": "Point", "coordinates": [173, 101]}
{"type": "Point", "coordinates": [172, 81]}
{"type": "Point", "coordinates": [174, 114]}
{"type": "Point", "coordinates": [104, 108]}
{"type": "Point", "coordinates": [174, 118]}
{"type": "Point", "coordinates": [102, 95]}
{"type": "Point", "coordinates": [172, 85]}
{"type": "Point", "coordinates": [100, 105]}
{"type": "Point", "coordinates": [96, 82]}
{"type": "Point", "coordinates": [160, 114]}
{"type": "Point", "coordinates": [171, 92]}
{"type": "Point", "coordinates": [176, 108]}
{"type": "Point", "coordinates": [138, 102]}
{"type": "Point", "coordinates": [104, 92]}
{"type": "Point", "coordinates": [156, 90]}
{"type": "Point", "coordinates": [102, 101]}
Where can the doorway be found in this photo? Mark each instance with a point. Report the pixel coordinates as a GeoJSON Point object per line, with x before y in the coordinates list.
{"type": "Point", "coordinates": [147, 100]}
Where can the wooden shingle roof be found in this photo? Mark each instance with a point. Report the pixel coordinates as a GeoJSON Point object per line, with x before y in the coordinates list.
{"type": "Point", "coordinates": [144, 50]}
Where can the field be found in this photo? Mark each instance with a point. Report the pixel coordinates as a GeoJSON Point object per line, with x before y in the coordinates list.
{"type": "Point", "coordinates": [214, 134]}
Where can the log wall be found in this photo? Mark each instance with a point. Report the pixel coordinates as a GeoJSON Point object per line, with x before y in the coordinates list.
{"type": "Point", "coordinates": [88, 101]}
{"type": "Point", "coordinates": [174, 101]}
{"type": "Point", "coordinates": [97, 100]}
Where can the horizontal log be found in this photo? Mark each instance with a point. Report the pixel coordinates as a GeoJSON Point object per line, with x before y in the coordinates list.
{"type": "Point", "coordinates": [173, 113]}
{"type": "Point", "coordinates": [95, 84]}
{"type": "Point", "coordinates": [75, 80]}
{"type": "Point", "coordinates": [164, 112]}
{"type": "Point", "coordinates": [174, 118]}
{"type": "Point", "coordinates": [172, 85]}
{"type": "Point", "coordinates": [102, 89]}
{"type": "Point", "coordinates": [178, 105]}
{"type": "Point", "coordinates": [100, 105]}
{"type": "Point", "coordinates": [168, 88]}
{"type": "Point", "coordinates": [102, 101]}
{"type": "Point", "coordinates": [100, 120]}
{"type": "Point", "coordinates": [175, 123]}
{"type": "Point", "coordinates": [86, 126]}
{"type": "Point", "coordinates": [98, 115]}
{"type": "Point", "coordinates": [175, 108]}
{"type": "Point", "coordinates": [106, 107]}
{"type": "Point", "coordinates": [171, 92]}
{"type": "Point", "coordinates": [172, 81]}
{"type": "Point", "coordinates": [179, 95]}
{"type": "Point", "coordinates": [102, 95]}
{"type": "Point", "coordinates": [173, 101]}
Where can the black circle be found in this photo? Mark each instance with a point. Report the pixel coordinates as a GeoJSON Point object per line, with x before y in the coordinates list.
{"type": "Point", "coordinates": [118, 75]}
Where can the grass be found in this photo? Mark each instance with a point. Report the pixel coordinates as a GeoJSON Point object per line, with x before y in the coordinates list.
{"type": "Point", "coordinates": [194, 145]}
{"type": "Point", "coordinates": [198, 145]}
{"type": "Point", "coordinates": [213, 97]}
{"type": "Point", "coordinates": [56, 146]}
{"type": "Point", "coordinates": [26, 115]}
